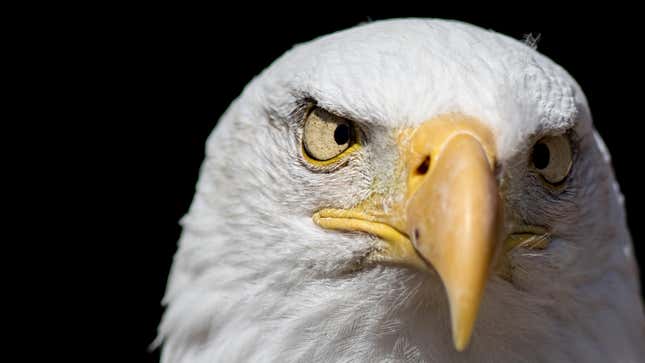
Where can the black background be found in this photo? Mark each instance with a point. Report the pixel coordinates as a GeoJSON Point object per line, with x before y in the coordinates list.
{"type": "Point", "coordinates": [169, 75]}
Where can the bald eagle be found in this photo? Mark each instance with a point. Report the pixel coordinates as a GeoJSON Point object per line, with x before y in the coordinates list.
{"type": "Point", "coordinates": [406, 190]}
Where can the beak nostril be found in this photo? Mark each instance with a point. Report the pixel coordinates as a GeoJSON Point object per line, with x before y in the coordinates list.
{"type": "Point", "coordinates": [425, 165]}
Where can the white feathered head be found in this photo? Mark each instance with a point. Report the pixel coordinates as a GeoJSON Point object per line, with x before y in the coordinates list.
{"type": "Point", "coordinates": [406, 190]}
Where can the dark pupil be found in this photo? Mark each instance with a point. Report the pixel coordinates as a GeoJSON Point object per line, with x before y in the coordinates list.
{"type": "Point", "coordinates": [541, 156]}
{"type": "Point", "coordinates": [341, 134]}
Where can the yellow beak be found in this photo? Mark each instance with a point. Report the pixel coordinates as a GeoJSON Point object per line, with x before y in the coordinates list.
{"type": "Point", "coordinates": [451, 212]}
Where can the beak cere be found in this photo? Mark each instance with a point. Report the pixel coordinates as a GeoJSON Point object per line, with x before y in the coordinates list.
{"type": "Point", "coordinates": [451, 217]}
{"type": "Point", "coordinates": [453, 211]}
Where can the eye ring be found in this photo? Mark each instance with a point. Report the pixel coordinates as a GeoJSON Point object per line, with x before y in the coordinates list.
{"type": "Point", "coordinates": [327, 138]}
{"type": "Point", "coordinates": [552, 158]}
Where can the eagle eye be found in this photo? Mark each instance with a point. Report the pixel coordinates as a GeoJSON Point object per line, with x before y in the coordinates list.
{"type": "Point", "coordinates": [327, 136]}
{"type": "Point", "coordinates": [552, 158]}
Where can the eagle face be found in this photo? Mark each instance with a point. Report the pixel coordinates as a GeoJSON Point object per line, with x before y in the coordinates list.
{"type": "Point", "coordinates": [408, 190]}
